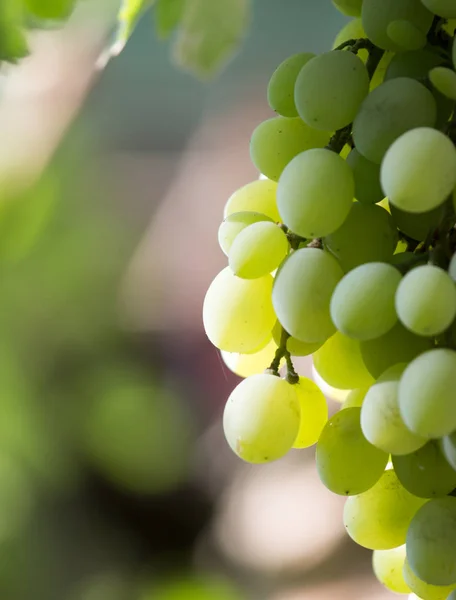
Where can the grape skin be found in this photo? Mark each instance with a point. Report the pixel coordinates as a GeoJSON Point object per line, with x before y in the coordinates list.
{"type": "Point", "coordinates": [282, 83]}
{"type": "Point", "coordinates": [388, 566]}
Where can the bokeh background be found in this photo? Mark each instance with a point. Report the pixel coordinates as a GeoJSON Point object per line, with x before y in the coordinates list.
{"type": "Point", "coordinates": [115, 480]}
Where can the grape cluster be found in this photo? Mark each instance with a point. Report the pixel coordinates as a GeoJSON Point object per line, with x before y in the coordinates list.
{"type": "Point", "coordinates": [344, 249]}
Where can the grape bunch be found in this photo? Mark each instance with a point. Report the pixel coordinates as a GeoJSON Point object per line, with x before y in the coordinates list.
{"type": "Point", "coordinates": [344, 249]}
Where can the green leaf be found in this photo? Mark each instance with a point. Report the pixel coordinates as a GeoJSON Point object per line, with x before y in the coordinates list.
{"type": "Point", "coordinates": [129, 14]}
{"type": "Point", "coordinates": [168, 14]}
{"type": "Point", "coordinates": [13, 44]}
{"type": "Point", "coordinates": [210, 32]}
{"type": "Point", "coordinates": [51, 9]}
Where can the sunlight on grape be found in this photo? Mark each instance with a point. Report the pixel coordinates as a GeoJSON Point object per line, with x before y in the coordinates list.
{"type": "Point", "coordinates": [329, 391]}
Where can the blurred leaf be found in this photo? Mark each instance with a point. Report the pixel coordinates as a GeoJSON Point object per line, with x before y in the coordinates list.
{"type": "Point", "coordinates": [13, 44]}
{"type": "Point", "coordinates": [168, 14]}
{"type": "Point", "coordinates": [51, 9]}
{"type": "Point", "coordinates": [129, 14]}
{"type": "Point", "coordinates": [194, 587]}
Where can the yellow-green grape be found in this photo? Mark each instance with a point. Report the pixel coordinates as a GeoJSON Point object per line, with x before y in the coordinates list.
{"type": "Point", "coordinates": [367, 178]}
{"type": "Point", "coordinates": [314, 412]}
{"type": "Point", "coordinates": [258, 196]}
{"type": "Point", "coordinates": [330, 392]}
{"type": "Point", "coordinates": [397, 346]}
{"type": "Point", "coordinates": [258, 250]}
{"type": "Point", "coordinates": [406, 35]}
{"type": "Point", "coordinates": [315, 193]}
{"type": "Point", "coordinates": [261, 418]}
{"type": "Point", "coordinates": [426, 393]}
{"type": "Point", "coordinates": [425, 472]}
{"type": "Point", "coordinates": [377, 16]}
{"type": "Point", "coordinates": [381, 421]}
{"type": "Point", "coordinates": [355, 398]}
{"type": "Point", "coordinates": [347, 464]}
{"type": "Point", "coordinates": [367, 235]}
{"type": "Point", "coordinates": [245, 365]}
{"type": "Point", "coordinates": [351, 8]}
{"type": "Point", "coordinates": [419, 170]}
{"type": "Point", "coordinates": [353, 30]}
{"type": "Point", "coordinates": [234, 224]}
{"type": "Point", "coordinates": [448, 448]}
{"type": "Point", "coordinates": [417, 225]}
{"type": "Point", "coordinates": [237, 313]}
{"type": "Point", "coordinates": [442, 8]}
{"type": "Point", "coordinates": [282, 83]}
{"type": "Point", "coordinates": [340, 363]}
{"type": "Point", "coordinates": [379, 518]}
{"type": "Point", "coordinates": [294, 346]}
{"type": "Point", "coordinates": [444, 80]}
{"type": "Point", "coordinates": [330, 88]}
{"type": "Point", "coordinates": [302, 292]}
{"type": "Point", "coordinates": [362, 306]}
{"type": "Point", "coordinates": [423, 590]}
{"type": "Point", "coordinates": [275, 142]}
{"type": "Point", "coordinates": [426, 300]}
{"type": "Point", "coordinates": [431, 548]}
{"type": "Point", "coordinates": [388, 566]}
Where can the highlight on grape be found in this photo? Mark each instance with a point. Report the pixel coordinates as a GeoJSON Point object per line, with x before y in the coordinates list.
{"type": "Point", "coordinates": [345, 250]}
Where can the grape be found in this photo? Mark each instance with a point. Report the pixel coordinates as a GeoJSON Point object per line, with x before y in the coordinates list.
{"type": "Point", "coordinates": [381, 421]}
{"type": "Point", "coordinates": [379, 518]}
{"type": "Point", "coordinates": [258, 196]}
{"type": "Point", "coordinates": [367, 178]}
{"type": "Point", "coordinates": [330, 392]}
{"type": "Point", "coordinates": [245, 365]}
{"type": "Point", "coordinates": [276, 141]}
{"type": "Point", "coordinates": [444, 80]}
{"type": "Point", "coordinates": [330, 88]}
{"type": "Point", "coordinates": [302, 291]}
{"type": "Point", "coordinates": [347, 464]}
{"type": "Point", "coordinates": [315, 193]}
{"type": "Point", "coordinates": [234, 224]}
{"type": "Point", "coordinates": [355, 398]}
{"type": "Point", "coordinates": [339, 362]}
{"type": "Point", "coordinates": [237, 313]}
{"type": "Point", "coordinates": [423, 590]}
{"type": "Point", "coordinates": [417, 225]}
{"type": "Point", "coordinates": [425, 472]}
{"type": "Point", "coordinates": [426, 393]}
{"type": "Point", "coordinates": [426, 300]}
{"type": "Point", "coordinates": [431, 547]}
{"type": "Point", "coordinates": [362, 306]}
{"type": "Point", "coordinates": [258, 250]}
{"type": "Point", "coordinates": [390, 110]}
{"type": "Point", "coordinates": [397, 346]}
{"type": "Point", "coordinates": [261, 418]}
{"type": "Point", "coordinates": [418, 172]}
{"type": "Point", "coordinates": [314, 412]}
{"type": "Point", "coordinates": [393, 373]}
{"type": "Point", "coordinates": [442, 8]}
{"type": "Point", "coordinates": [406, 35]}
{"type": "Point", "coordinates": [367, 235]}
{"type": "Point", "coordinates": [294, 346]}
{"type": "Point", "coordinates": [388, 565]}
{"type": "Point", "coordinates": [402, 258]}
{"type": "Point", "coordinates": [377, 16]}
{"type": "Point", "coordinates": [352, 8]}
{"type": "Point", "coordinates": [50, 9]}
{"type": "Point", "coordinates": [282, 83]}
{"type": "Point", "coordinates": [448, 448]}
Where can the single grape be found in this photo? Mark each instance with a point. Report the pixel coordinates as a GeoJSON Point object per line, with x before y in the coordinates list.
{"type": "Point", "coordinates": [442, 8]}
{"type": "Point", "coordinates": [405, 35]}
{"type": "Point", "coordinates": [431, 547]}
{"type": "Point", "coordinates": [362, 306]}
{"type": "Point", "coordinates": [367, 178]}
{"type": "Point", "coordinates": [355, 398]}
{"type": "Point", "coordinates": [444, 80]}
{"type": "Point", "coordinates": [379, 518]}
{"type": "Point", "coordinates": [330, 88]}
{"type": "Point", "coordinates": [417, 225]}
{"type": "Point", "coordinates": [275, 142]}
{"type": "Point", "coordinates": [237, 313]}
{"type": "Point", "coordinates": [330, 392]}
{"type": "Point", "coordinates": [294, 346]}
{"type": "Point", "coordinates": [390, 110]}
{"type": "Point", "coordinates": [282, 83]}
{"type": "Point", "coordinates": [245, 365]}
{"type": "Point", "coordinates": [258, 197]}
{"type": "Point", "coordinates": [315, 193]}
{"type": "Point", "coordinates": [423, 590]}
{"type": "Point", "coordinates": [426, 393]}
{"type": "Point", "coordinates": [388, 566]}
{"type": "Point", "coordinates": [418, 172]}
{"type": "Point", "coordinates": [261, 418]}
{"type": "Point", "coordinates": [314, 412]}
{"type": "Point", "coordinates": [448, 448]}
{"type": "Point", "coordinates": [351, 8]}
{"type": "Point", "coordinates": [234, 224]}
{"type": "Point", "coordinates": [347, 464]}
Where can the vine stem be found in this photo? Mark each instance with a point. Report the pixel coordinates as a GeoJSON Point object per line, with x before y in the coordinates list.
{"type": "Point", "coordinates": [282, 352]}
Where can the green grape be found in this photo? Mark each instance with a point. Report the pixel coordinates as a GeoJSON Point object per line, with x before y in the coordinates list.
{"type": "Point", "coordinates": [442, 8]}
{"type": "Point", "coordinates": [362, 306]}
{"type": "Point", "coordinates": [234, 224]}
{"type": "Point", "coordinates": [330, 392]}
{"type": "Point", "coordinates": [367, 235]}
{"type": "Point", "coordinates": [388, 566]}
{"type": "Point", "coordinates": [405, 35]}
{"type": "Point", "coordinates": [425, 472]}
{"type": "Point", "coordinates": [394, 107]}
{"type": "Point", "coordinates": [351, 8]}
{"type": "Point", "coordinates": [282, 83]}
{"type": "Point", "coordinates": [258, 250]}
{"type": "Point", "coordinates": [50, 9]}
{"type": "Point", "coordinates": [377, 16]}
{"type": "Point", "coordinates": [367, 178]}
{"type": "Point", "coordinates": [431, 550]}
{"type": "Point", "coordinates": [426, 300]}
{"type": "Point", "coordinates": [426, 393]}
{"type": "Point", "coordinates": [314, 412]}
{"type": "Point", "coordinates": [340, 364]}
{"type": "Point", "coordinates": [237, 313]}
{"type": "Point", "coordinates": [393, 373]}
{"type": "Point", "coordinates": [275, 142]}
{"type": "Point", "coordinates": [448, 448]}
{"type": "Point", "coordinates": [330, 88]}
{"type": "Point", "coordinates": [261, 418]}
{"type": "Point", "coordinates": [397, 346]}
{"type": "Point", "coordinates": [355, 398]}
{"type": "Point", "coordinates": [302, 292]}
{"type": "Point", "coordinates": [347, 464]}
{"type": "Point", "coordinates": [417, 225]}
{"type": "Point", "coordinates": [379, 518]}
{"type": "Point", "coordinates": [294, 346]}
{"type": "Point", "coordinates": [423, 590]}
{"type": "Point", "coordinates": [315, 193]}
{"type": "Point", "coordinates": [245, 365]}
{"type": "Point", "coordinates": [444, 80]}
{"type": "Point", "coordinates": [418, 172]}
{"type": "Point", "coordinates": [258, 196]}
{"type": "Point", "coordinates": [381, 421]}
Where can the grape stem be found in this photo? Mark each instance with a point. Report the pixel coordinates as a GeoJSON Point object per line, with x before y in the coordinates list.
{"type": "Point", "coordinates": [437, 36]}
{"type": "Point", "coordinates": [282, 352]}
